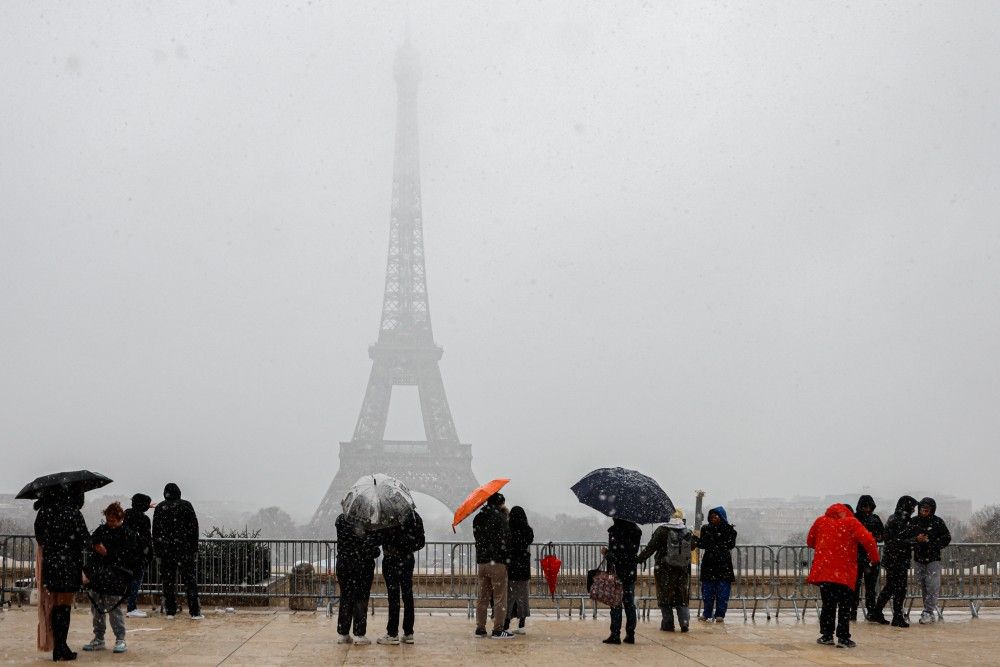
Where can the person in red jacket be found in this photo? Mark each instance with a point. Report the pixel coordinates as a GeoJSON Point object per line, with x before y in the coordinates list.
{"type": "Point", "coordinates": [836, 536]}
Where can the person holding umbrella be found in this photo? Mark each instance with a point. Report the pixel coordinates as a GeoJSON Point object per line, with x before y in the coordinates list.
{"type": "Point", "coordinates": [357, 549]}
{"type": "Point", "coordinates": [624, 538]}
{"type": "Point", "coordinates": [492, 533]}
{"type": "Point", "coordinates": [398, 545]}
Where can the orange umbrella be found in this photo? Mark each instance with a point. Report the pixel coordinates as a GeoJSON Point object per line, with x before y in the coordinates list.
{"type": "Point", "coordinates": [476, 499]}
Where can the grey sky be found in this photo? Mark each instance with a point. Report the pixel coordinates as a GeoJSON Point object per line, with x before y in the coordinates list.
{"type": "Point", "coordinates": [747, 247]}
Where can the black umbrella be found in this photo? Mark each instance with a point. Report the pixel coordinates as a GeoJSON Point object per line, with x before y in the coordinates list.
{"type": "Point", "coordinates": [624, 494]}
{"type": "Point", "coordinates": [81, 479]}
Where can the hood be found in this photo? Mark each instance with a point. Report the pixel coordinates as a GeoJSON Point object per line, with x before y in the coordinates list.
{"type": "Point", "coordinates": [675, 522]}
{"type": "Point", "coordinates": [865, 501]}
{"type": "Point", "coordinates": [721, 511]}
{"type": "Point", "coordinates": [141, 502]}
{"type": "Point", "coordinates": [928, 502]}
{"type": "Point", "coordinates": [838, 511]}
{"type": "Point", "coordinates": [171, 492]}
{"type": "Point", "coordinates": [906, 504]}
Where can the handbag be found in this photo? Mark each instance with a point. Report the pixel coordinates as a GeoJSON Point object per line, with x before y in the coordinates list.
{"type": "Point", "coordinates": [604, 586]}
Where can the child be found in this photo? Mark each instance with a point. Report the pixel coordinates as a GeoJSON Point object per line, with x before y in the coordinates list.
{"type": "Point", "coordinates": [110, 572]}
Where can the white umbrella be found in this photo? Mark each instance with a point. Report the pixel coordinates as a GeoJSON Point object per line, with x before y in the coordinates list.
{"type": "Point", "coordinates": [378, 500]}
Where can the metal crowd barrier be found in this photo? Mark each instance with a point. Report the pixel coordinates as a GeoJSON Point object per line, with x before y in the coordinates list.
{"type": "Point", "coordinates": [248, 572]}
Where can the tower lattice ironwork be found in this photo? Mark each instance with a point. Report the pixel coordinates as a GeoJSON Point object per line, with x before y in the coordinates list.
{"type": "Point", "coordinates": [405, 354]}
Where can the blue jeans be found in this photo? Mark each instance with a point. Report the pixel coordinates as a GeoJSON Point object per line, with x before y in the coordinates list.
{"type": "Point", "coordinates": [628, 602]}
{"type": "Point", "coordinates": [715, 597]}
{"type": "Point", "coordinates": [133, 590]}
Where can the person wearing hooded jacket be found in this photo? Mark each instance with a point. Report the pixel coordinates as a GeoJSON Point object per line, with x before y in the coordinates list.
{"type": "Point", "coordinates": [835, 537]}
{"type": "Point", "coordinates": [175, 543]}
{"type": "Point", "coordinates": [671, 543]}
{"type": "Point", "coordinates": [930, 535]}
{"type": "Point", "coordinates": [62, 536]}
{"type": "Point", "coordinates": [624, 538]}
{"type": "Point", "coordinates": [137, 521]}
{"type": "Point", "coordinates": [896, 561]}
{"type": "Point", "coordinates": [867, 573]}
{"type": "Point", "coordinates": [519, 569]}
{"type": "Point", "coordinates": [718, 539]}
{"type": "Point", "coordinates": [491, 530]}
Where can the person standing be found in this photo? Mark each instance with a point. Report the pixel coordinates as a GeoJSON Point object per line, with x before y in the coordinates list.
{"type": "Point", "coordinates": [896, 561]}
{"type": "Point", "coordinates": [111, 570]}
{"type": "Point", "coordinates": [930, 536]}
{"type": "Point", "coordinates": [137, 521]}
{"type": "Point", "coordinates": [398, 545]}
{"type": "Point", "coordinates": [519, 571]}
{"type": "Point", "coordinates": [835, 537]}
{"type": "Point", "coordinates": [672, 544]}
{"type": "Point", "coordinates": [357, 549]}
{"type": "Point", "coordinates": [624, 538]}
{"type": "Point", "coordinates": [175, 543]}
{"type": "Point", "coordinates": [62, 536]}
{"type": "Point", "coordinates": [718, 539]}
{"type": "Point", "coordinates": [492, 534]}
{"type": "Point", "coordinates": [867, 573]}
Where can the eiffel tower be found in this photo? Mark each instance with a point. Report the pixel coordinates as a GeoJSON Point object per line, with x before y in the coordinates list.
{"type": "Point", "coordinates": [405, 353]}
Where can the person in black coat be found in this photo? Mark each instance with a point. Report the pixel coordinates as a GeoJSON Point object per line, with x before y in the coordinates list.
{"type": "Point", "coordinates": [110, 570]}
{"type": "Point", "coordinates": [491, 531]}
{"type": "Point", "coordinates": [519, 568]}
{"type": "Point", "coordinates": [61, 533]}
{"type": "Point", "coordinates": [624, 538]}
{"type": "Point", "coordinates": [137, 521]}
{"type": "Point", "coordinates": [175, 543]}
{"type": "Point", "coordinates": [867, 573]}
{"type": "Point", "coordinates": [357, 549]}
{"type": "Point", "coordinates": [398, 545]}
{"type": "Point", "coordinates": [931, 535]}
{"type": "Point", "coordinates": [896, 561]}
{"type": "Point", "coordinates": [718, 539]}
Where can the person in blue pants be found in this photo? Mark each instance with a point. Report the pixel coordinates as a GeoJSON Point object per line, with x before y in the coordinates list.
{"type": "Point", "coordinates": [717, 539]}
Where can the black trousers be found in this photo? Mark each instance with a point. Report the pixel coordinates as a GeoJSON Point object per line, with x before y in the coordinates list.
{"type": "Point", "coordinates": [355, 589]}
{"type": "Point", "coordinates": [398, 573]}
{"type": "Point", "coordinates": [837, 601]}
{"type": "Point", "coordinates": [169, 569]}
{"type": "Point", "coordinates": [867, 575]}
{"type": "Point", "coordinates": [895, 588]}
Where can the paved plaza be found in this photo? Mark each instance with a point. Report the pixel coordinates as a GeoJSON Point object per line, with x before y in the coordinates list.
{"type": "Point", "coordinates": [297, 638]}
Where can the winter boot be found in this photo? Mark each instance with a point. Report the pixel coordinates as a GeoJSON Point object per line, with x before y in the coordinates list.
{"type": "Point", "coordinates": [666, 619]}
{"type": "Point", "coordinates": [899, 622]}
{"type": "Point", "coordinates": [877, 617]}
{"type": "Point", "coordinates": [60, 631]}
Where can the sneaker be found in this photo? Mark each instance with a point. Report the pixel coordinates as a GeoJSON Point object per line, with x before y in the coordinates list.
{"type": "Point", "coordinates": [407, 639]}
{"type": "Point", "coordinates": [362, 641]}
{"type": "Point", "coordinates": [720, 619]}
{"type": "Point", "coordinates": [480, 632]}
{"type": "Point", "coordinates": [501, 634]}
{"type": "Point", "coordinates": [197, 617]}
{"type": "Point", "coordinates": [926, 619]}
{"type": "Point", "coordinates": [137, 613]}
{"type": "Point", "coordinates": [344, 639]}
{"type": "Point", "coordinates": [95, 645]}
{"type": "Point", "coordinates": [613, 639]}
{"type": "Point", "coordinates": [899, 622]}
{"type": "Point", "coordinates": [170, 617]}
{"type": "Point", "coordinates": [845, 643]}
{"type": "Point", "coordinates": [388, 640]}
{"type": "Point", "coordinates": [120, 646]}
{"type": "Point", "coordinates": [704, 620]}
{"type": "Point", "coordinates": [519, 631]}
{"type": "Point", "coordinates": [825, 641]}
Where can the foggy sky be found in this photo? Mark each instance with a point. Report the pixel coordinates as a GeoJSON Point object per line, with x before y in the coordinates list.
{"type": "Point", "coordinates": [750, 247]}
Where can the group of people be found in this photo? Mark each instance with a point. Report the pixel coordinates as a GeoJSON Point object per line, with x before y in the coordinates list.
{"type": "Point", "coordinates": [847, 557]}
{"type": "Point", "coordinates": [109, 563]}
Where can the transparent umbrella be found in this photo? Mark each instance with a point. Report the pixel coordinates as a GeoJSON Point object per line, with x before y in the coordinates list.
{"type": "Point", "coordinates": [378, 500]}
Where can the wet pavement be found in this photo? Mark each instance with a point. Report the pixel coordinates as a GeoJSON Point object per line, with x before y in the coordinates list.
{"type": "Point", "coordinates": [250, 637]}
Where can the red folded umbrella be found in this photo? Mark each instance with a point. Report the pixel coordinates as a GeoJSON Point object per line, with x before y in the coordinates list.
{"type": "Point", "coordinates": [550, 568]}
